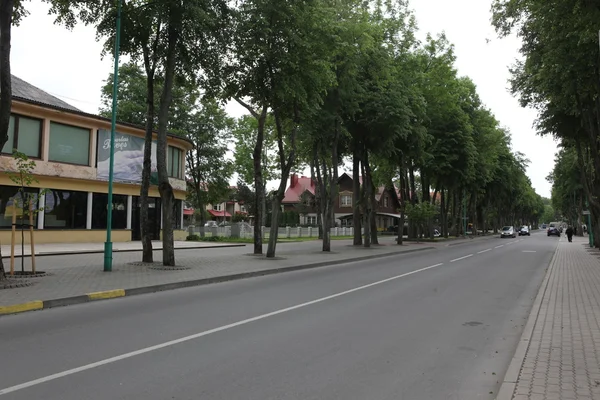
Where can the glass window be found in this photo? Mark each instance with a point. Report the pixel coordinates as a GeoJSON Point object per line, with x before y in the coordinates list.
{"type": "Point", "coordinates": [174, 162]}
{"type": "Point", "coordinates": [11, 197]}
{"type": "Point", "coordinates": [69, 144]}
{"type": "Point", "coordinates": [100, 211]}
{"type": "Point", "coordinates": [25, 135]}
{"type": "Point", "coordinates": [218, 207]}
{"type": "Point", "coordinates": [386, 202]}
{"type": "Point", "coordinates": [65, 209]}
{"type": "Point", "coordinates": [346, 200]}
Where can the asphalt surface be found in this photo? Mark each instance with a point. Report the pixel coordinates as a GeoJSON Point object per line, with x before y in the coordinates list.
{"type": "Point", "coordinates": [428, 325]}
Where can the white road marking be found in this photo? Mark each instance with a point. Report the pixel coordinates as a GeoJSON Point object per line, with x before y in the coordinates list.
{"type": "Point", "coordinates": [199, 335]}
{"type": "Point", "coordinates": [497, 247]}
{"type": "Point", "coordinates": [529, 251]}
{"type": "Point", "coordinates": [483, 251]}
{"type": "Point", "coordinates": [461, 258]}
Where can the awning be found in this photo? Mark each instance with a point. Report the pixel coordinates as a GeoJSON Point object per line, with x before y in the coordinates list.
{"type": "Point", "coordinates": [348, 216]}
{"type": "Point", "coordinates": [221, 214]}
{"type": "Point", "coordinates": [188, 211]}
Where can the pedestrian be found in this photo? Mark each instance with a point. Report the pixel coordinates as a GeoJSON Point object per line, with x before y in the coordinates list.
{"type": "Point", "coordinates": [570, 233]}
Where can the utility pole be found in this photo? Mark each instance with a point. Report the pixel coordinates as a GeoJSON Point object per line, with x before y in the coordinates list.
{"type": "Point", "coordinates": [108, 246]}
{"type": "Point", "coordinates": [589, 225]}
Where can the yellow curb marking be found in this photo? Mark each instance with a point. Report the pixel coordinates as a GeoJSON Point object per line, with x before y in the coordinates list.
{"type": "Point", "coordinates": [17, 308]}
{"type": "Point", "coordinates": [107, 294]}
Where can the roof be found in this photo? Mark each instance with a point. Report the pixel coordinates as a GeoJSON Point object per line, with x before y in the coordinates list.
{"type": "Point", "coordinates": [298, 186]}
{"type": "Point", "coordinates": [27, 93]}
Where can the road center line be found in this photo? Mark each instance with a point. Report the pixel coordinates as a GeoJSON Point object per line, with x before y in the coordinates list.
{"type": "Point", "coordinates": [461, 258]}
{"type": "Point", "coordinates": [497, 247]}
{"type": "Point", "coordinates": [483, 251]}
{"type": "Point", "coordinates": [200, 334]}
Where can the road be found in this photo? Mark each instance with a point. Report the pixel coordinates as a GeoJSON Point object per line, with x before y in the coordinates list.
{"type": "Point", "coordinates": [440, 324]}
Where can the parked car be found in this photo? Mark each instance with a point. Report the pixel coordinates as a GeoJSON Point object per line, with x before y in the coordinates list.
{"type": "Point", "coordinates": [210, 224]}
{"type": "Point", "coordinates": [524, 231]}
{"type": "Point", "coordinates": [553, 231]}
{"type": "Point", "coordinates": [508, 231]}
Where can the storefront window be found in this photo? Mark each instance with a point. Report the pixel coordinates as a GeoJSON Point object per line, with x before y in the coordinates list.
{"type": "Point", "coordinates": [100, 211]}
{"type": "Point", "coordinates": [11, 197]}
{"type": "Point", "coordinates": [65, 209]}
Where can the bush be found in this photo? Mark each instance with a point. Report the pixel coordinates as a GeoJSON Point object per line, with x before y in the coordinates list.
{"type": "Point", "coordinates": [193, 238]}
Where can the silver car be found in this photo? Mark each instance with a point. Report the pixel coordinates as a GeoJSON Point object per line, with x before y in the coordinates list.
{"type": "Point", "coordinates": [508, 231]}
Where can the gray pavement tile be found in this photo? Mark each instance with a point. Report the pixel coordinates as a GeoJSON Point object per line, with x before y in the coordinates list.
{"type": "Point", "coordinates": [563, 358]}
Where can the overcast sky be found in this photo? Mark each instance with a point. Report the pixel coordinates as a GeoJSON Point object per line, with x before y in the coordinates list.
{"type": "Point", "coordinates": [67, 64]}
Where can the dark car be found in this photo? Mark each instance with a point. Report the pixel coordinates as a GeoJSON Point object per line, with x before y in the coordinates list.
{"type": "Point", "coordinates": [553, 231]}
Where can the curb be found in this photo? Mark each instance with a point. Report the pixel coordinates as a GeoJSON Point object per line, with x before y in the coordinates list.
{"type": "Point", "coordinates": [509, 384]}
{"type": "Point", "coordinates": [116, 293]}
{"type": "Point", "coordinates": [77, 252]}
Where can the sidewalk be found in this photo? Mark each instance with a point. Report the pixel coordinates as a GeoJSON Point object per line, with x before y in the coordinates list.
{"type": "Point", "coordinates": [558, 357]}
{"type": "Point", "coordinates": [46, 249]}
{"type": "Point", "coordinates": [73, 279]}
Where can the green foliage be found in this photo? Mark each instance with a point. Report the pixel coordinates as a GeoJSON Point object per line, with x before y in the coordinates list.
{"type": "Point", "coordinates": [23, 177]}
{"type": "Point", "coordinates": [420, 213]}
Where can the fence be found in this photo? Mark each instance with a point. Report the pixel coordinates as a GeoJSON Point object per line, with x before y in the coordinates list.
{"type": "Point", "coordinates": [247, 231]}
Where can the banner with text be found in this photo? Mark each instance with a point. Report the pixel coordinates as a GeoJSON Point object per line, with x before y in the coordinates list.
{"type": "Point", "coordinates": [129, 158]}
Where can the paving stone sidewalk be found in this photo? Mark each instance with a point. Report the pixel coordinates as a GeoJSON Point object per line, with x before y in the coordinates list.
{"type": "Point", "coordinates": [75, 275]}
{"type": "Point", "coordinates": [562, 360]}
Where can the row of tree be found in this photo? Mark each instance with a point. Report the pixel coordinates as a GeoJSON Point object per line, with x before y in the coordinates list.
{"type": "Point", "coordinates": [324, 82]}
{"type": "Point", "coordinates": [559, 76]}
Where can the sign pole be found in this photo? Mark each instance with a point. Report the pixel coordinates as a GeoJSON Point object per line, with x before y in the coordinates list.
{"type": "Point", "coordinates": [108, 249]}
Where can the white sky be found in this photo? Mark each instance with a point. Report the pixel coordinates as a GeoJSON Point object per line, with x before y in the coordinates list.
{"type": "Point", "coordinates": [67, 64]}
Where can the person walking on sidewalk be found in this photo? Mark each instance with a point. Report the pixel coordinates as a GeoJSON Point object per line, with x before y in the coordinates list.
{"type": "Point", "coordinates": [570, 233]}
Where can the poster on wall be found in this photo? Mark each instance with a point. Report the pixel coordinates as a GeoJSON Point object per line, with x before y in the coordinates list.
{"type": "Point", "coordinates": [129, 158]}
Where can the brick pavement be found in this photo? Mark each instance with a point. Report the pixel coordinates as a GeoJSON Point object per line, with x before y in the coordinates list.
{"type": "Point", "coordinates": [74, 275]}
{"type": "Point", "coordinates": [562, 360]}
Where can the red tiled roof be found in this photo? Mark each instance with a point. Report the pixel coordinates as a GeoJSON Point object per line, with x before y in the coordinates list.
{"type": "Point", "coordinates": [298, 185]}
{"type": "Point", "coordinates": [215, 213]}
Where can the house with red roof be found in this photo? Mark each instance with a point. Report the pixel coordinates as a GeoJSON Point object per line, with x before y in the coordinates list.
{"type": "Point", "coordinates": [300, 197]}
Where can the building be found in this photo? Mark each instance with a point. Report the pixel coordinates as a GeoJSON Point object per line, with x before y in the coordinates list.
{"type": "Point", "coordinates": [299, 197]}
{"type": "Point", "coordinates": [71, 152]}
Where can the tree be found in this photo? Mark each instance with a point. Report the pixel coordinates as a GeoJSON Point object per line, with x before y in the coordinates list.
{"type": "Point", "coordinates": [245, 135]}
{"type": "Point", "coordinates": [207, 166]}
{"type": "Point", "coordinates": [278, 66]}
{"type": "Point", "coordinates": [558, 78]}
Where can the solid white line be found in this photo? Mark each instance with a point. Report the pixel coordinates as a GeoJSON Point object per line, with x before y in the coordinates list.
{"type": "Point", "coordinates": [529, 251]}
{"type": "Point", "coordinates": [200, 334]}
{"type": "Point", "coordinates": [461, 258]}
{"type": "Point", "coordinates": [483, 251]}
{"type": "Point", "coordinates": [497, 247]}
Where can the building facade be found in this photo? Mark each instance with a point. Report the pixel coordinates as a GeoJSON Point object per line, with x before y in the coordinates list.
{"type": "Point", "coordinates": [71, 151]}
{"type": "Point", "coordinates": [299, 197]}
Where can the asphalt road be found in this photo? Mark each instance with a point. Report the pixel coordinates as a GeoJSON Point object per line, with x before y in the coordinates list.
{"type": "Point", "coordinates": [440, 324]}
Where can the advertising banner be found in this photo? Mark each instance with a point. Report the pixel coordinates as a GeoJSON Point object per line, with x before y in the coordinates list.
{"type": "Point", "coordinates": [129, 158]}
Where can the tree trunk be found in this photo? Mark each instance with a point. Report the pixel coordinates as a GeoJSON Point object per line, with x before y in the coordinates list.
{"type": "Point", "coordinates": [147, 254]}
{"type": "Point", "coordinates": [366, 196]}
{"type": "Point", "coordinates": [370, 194]}
{"type": "Point", "coordinates": [164, 186]}
{"type": "Point", "coordinates": [260, 193]}
{"type": "Point", "coordinates": [443, 215]}
{"type": "Point", "coordinates": [356, 198]}
{"type": "Point", "coordinates": [6, 10]}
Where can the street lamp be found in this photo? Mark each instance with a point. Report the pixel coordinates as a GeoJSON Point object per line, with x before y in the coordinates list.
{"type": "Point", "coordinates": [108, 248]}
